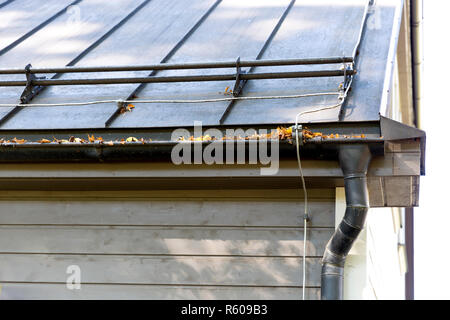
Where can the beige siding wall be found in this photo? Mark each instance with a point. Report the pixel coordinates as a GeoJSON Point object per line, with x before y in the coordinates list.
{"type": "Point", "coordinates": [385, 273]}
{"type": "Point", "coordinates": [373, 268]}
{"type": "Point", "coordinates": [208, 244]}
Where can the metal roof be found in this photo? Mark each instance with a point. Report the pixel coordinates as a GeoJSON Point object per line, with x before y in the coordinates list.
{"type": "Point", "coordinates": [56, 33]}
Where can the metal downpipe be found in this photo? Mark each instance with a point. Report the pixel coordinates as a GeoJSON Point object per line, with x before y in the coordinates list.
{"type": "Point", "coordinates": [354, 161]}
{"type": "Point", "coordinates": [417, 55]}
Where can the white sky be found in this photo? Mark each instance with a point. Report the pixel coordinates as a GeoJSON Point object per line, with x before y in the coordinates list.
{"type": "Point", "coordinates": [432, 218]}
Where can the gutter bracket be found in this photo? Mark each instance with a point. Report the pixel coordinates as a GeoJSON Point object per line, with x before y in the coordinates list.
{"type": "Point", "coordinates": [30, 91]}
{"type": "Point", "coordinates": [300, 134]}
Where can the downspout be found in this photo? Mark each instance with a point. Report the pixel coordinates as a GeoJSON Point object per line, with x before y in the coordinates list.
{"type": "Point", "coordinates": [417, 56]}
{"type": "Point", "coordinates": [416, 24]}
{"type": "Point", "coordinates": [354, 161]}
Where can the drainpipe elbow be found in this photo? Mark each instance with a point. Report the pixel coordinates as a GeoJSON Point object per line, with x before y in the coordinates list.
{"type": "Point", "coordinates": [354, 161]}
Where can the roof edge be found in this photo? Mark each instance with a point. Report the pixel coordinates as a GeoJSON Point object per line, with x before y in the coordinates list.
{"type": "Point", "coordinates": [392, 130]}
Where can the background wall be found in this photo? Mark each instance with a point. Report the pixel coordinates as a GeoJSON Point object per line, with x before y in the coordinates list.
{"type": "Point", "coordinates": [373, 268]}
{"type": "Point", "coordinates": [205, 244]}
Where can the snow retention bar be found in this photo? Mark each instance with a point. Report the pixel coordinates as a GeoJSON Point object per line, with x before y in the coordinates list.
{"type": "Point", "coordinates": [187, 65]}
{"type": "Point", "coordinates": [354, 161]}
{"type": "Point", "coordinates": [192, 78]}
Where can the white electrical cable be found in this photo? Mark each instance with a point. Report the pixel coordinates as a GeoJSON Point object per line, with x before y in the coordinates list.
{"type": "Point", "coordinates": [306, 95]}
{"type": "Point", "coordinates": [305, 226]}
{"type": "Point", "coordinates": [342, 96]}
{"type": "Point", "coordinates": [305, 217]}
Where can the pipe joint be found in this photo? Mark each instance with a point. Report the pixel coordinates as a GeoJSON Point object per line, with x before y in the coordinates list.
{"type": "Point", "coordinates": [330, 258]}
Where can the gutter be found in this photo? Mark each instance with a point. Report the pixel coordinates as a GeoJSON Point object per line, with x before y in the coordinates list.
{"type": "Point", "coordinates": [155, 151]}
{"type": "Point", "coordinates": [157, 144]}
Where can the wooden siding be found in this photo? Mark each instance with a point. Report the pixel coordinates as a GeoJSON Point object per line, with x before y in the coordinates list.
{"type": "Point", "coordinates": [178, 244]}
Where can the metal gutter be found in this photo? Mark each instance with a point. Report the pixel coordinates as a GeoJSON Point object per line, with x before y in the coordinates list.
{"type": "Point", "coordinates": [154, 151]}
{"type": "Point", "coordinates": [156, 144]}
{"type": "Point", "coordinates": [369, 128]}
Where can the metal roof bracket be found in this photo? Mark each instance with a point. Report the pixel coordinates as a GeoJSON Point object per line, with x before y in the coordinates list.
{"type": "Point", "coordinates": [297, 128]}
{"type": "Point", "coordinates": [239, 84]}
{"type": "Point", "coordinates": [348, 73]}
{"type": "Point", "coordinates": [30, 91]}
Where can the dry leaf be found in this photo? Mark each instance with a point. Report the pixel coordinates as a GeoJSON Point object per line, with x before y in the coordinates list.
{"type": "Point", "coordinates": [132, 139]}
{"type": "Point", "coordinates": [19, 141]}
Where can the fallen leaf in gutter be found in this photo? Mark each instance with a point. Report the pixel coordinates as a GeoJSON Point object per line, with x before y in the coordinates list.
{"type": "Point", "coordinates": [19, 141]}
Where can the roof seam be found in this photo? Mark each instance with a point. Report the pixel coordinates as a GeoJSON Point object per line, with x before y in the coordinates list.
{"type": "Point", "coordinates": [18, 108]}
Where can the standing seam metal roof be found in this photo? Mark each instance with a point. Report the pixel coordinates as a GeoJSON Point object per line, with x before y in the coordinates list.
{"type": "Point", "coordinates": [145, 32]}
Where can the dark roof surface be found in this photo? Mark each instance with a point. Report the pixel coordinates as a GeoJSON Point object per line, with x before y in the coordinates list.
{"type": "Point", "coordinates": [230, 28]}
